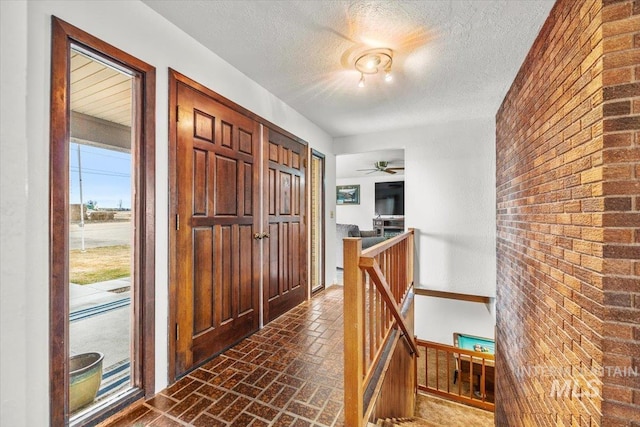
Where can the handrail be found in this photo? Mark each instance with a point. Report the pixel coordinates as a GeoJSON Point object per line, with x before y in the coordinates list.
{"type": "Point", "coordinates": [385, 244]}
{"type": "Point", "coordinates": [377, 276]}
{"type": "Point", "coordinates": [420, 290]}
{"type": "Point", "coordinates": [377, 283]}
{"type": "Point", "coordinates": [457, 350]}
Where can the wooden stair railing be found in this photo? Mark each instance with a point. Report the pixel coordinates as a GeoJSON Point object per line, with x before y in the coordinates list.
{"type": "Point", "coordinates": [378, 285]}
{"type": "Point", "coordinates": [444, 368]}
{"type": "Point", "coordinates": [372, 267]}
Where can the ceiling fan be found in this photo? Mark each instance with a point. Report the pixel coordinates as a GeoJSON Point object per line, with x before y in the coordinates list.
{"type": "Point", "coordinates": [382, 166]}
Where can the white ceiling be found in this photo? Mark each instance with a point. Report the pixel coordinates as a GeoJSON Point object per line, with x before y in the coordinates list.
{"type": "Point", "coordinates": [349, 165]}
{"type": "Point", "coordinates": [452, 59]}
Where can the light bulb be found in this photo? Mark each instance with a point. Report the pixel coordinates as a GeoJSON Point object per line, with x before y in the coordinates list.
{"type": "Point", "coordinates": [387, 76]}
{"type": "Point", "coordinates": [361, 82]}
{"type": "Point", "coordinates": [371, 64]}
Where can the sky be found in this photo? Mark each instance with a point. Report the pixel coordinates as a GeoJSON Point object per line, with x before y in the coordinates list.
{"type": "Point", "coordinates": [106, 176]}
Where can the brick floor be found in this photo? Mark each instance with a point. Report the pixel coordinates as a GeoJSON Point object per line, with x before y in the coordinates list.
{"type": "Point", "coordinates": [288, 374]}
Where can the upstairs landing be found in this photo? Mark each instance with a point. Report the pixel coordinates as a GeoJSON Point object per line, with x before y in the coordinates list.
{"type": "Point", "coordinates": [288, 374]}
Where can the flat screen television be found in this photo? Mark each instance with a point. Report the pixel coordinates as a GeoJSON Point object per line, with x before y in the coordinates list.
{"type": "Point", "coordinates": [390, 198]}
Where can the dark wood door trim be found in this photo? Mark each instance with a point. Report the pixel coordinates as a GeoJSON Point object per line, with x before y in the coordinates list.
{"type": "Point", "coordinates": [173, 225]}
{"type": "Point", "coordinates": [315, 153]}
{"type": "Point", "coordinates": [65, 35]}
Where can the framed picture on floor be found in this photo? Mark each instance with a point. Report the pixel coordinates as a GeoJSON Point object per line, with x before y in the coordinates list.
{"type": "Point", "coordinates": [348, 195]}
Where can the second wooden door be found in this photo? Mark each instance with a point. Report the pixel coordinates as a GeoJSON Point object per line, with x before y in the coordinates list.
{"type": "Point", "coordinates": [285, 272]}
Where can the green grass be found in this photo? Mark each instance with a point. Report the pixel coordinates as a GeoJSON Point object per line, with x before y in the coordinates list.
{"type": "Point", "coordinates": [99, 264]}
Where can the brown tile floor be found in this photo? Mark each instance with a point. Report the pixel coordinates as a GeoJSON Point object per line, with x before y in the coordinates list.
{"type": "Point", "coordinates": [288, 374]}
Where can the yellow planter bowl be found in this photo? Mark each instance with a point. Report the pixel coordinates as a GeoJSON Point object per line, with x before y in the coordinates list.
{"type": "Point", "coordinates": [85, 375]}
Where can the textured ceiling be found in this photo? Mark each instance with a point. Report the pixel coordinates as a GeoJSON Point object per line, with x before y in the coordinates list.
{"type": "Point", "coordinates": [452, 59]}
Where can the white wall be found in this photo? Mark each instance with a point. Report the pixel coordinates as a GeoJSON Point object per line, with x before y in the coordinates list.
{"type": "Point", "coordinates": [438, 318]}
{"type": "Point", "coordinates": [15, 378]}
{"type": "Point", "coordinates": [450, 200]}
{"type": "Point", "coordinates": [362, 215]}
{"type": "Point", "coordinates": [25, 52]}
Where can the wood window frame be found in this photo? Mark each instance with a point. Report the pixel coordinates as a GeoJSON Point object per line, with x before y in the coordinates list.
{"type": "Point", "coordinates": [64, 36]}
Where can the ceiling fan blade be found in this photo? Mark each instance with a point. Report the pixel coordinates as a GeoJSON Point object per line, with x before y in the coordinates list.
{"type": "Point", "coordinates": [395, 169]}
{"type": "Point", "coordinates": [389, 171]}
{"type": "Point", "coordinates": [364, 170]}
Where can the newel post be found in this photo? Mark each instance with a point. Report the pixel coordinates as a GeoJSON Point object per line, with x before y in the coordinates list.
{"type": "Point", "coordinates": [353, 334]}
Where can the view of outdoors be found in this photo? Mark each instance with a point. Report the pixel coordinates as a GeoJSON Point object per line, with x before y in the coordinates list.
{"type": "Point", "coordinates": [100, 233]}
{"type": "Point", "coordinates": [100, 273]}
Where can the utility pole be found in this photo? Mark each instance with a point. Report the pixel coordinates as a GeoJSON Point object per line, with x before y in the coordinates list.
{"type": "Point", "coordinates": [81, 202]}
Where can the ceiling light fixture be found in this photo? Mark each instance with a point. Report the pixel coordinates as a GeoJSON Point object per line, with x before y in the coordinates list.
{"type": "Point", "coordinates": [374, 60]}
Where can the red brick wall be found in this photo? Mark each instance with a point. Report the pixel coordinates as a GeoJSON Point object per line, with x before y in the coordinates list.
{"type": "Point", "coordinates": [621, 219]}
{"type": "Point", "coordinates": [568, 218]}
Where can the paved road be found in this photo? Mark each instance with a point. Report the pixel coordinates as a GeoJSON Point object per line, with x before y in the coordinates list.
{"type": "Point", "coordinates": [98, 234]}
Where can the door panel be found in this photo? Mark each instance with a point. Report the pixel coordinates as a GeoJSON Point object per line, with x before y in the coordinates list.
{"type": "Point", "coordinates": [216, 177]}
{"type": "Point", "coordinates": [203, 279]}
{"type": "Point", "coordinates": [285, 252]}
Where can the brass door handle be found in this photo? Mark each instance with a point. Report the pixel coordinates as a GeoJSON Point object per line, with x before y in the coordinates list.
{"type": "Point", "coordinates": [266, 235]}
{"type": "Point", "coordinates": [257, 236]}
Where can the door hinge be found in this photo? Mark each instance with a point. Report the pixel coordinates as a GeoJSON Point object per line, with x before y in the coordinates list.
{"type": "Point", "coordinates": [177, 222]}
{"type": "Point", "coordinates": [177, 332]}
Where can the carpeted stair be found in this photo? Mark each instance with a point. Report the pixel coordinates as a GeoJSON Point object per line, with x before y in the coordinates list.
{"type": "Point", "coordinates": [405, 422]}
{"type": "Point", "coordinates": [432, 411]}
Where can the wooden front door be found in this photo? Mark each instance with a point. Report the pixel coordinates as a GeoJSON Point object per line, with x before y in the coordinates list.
{"type": "Point", "coordinates": [217, 259]}
{"type": "Point", "coordinates": [285, 275]}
